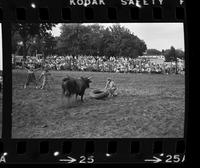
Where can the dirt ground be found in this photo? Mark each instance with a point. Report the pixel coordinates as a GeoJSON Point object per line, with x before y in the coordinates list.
{"type": "Point", "coordinates": [147, 106]}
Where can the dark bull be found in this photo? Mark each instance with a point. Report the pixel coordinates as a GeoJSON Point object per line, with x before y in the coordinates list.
{"type": "Point", "coordinates": [77, 86]}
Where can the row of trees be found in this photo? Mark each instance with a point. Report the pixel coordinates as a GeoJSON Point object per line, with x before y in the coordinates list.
{"type": "Point", "coordinates": [99, 41]}
{"type": "Point", "coordinates": [29, 38]}
{"type": "Point", "coordinates": [79, 39]}
{"type": "Point", "coordinates": [76, 39]}
{"type": "Point", "coordinates": [170, 54]}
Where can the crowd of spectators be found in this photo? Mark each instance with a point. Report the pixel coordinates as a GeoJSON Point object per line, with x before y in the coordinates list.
{"type": "Point", "coordinates": [103, 64]}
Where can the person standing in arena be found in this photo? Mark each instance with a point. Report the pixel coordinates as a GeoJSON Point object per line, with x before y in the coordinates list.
{"type": "Point", "coordinates": [111, 87]}
{"type": "Point", "coordinates": [45, 76]}
{"type": "Point", "coordinates": [31, 76]}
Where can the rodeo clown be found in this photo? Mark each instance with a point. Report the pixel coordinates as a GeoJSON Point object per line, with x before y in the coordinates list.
{"type": "Point", "coordinates": [31, 76]}
{"type": "Point", "coordinates": [111, 87]}
{"type": "Point", "coordinates": [45, 76]}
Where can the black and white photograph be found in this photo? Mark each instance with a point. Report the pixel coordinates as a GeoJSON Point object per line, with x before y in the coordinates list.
{"type": "Point", "coordinates": [97, 80]}
{"type": "Point", "coordinates": [1, 81]}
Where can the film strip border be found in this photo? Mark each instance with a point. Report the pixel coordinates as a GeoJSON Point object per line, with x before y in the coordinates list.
{"type": "Point", "coordinates": [82, 150]}
{"type": "Point", "coordinates": [93, 151]}
{"type": "Point", "coordinates": [112, 11]}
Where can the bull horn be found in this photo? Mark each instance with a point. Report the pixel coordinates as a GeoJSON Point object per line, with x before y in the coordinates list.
{"type": "Point", "coordinates": [89, 77]}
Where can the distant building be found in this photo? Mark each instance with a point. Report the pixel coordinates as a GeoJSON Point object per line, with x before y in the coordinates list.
{"type": "Point", "coordinates": [16, 59]}
{"type": "Point", "coordinates": [157, 59]}
{"type": "Point", "coordinates": [39, 56]}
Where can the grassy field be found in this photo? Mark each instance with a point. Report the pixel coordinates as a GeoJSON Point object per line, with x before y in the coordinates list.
{"type": "Point", "coordinates": [147, 106]}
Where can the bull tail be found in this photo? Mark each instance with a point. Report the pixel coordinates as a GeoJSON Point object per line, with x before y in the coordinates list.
{"type": "Point", "coordinates": [67, 93]}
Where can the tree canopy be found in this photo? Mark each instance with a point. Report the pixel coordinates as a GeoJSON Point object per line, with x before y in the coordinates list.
{"type": "Point", "coordinates": [153, 52]}
{"type": "Point", "coordinates": [80, 39]}
{"type": "Point", "coordinates": [172, 54]}
{"type": "Point", "coordinates": [96, 40]}
{"type": "Point", "coordinates": [24, 34]}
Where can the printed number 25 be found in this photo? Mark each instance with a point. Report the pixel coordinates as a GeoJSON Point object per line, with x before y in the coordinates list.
{"type": "Point", "coordinates": [84, 159]}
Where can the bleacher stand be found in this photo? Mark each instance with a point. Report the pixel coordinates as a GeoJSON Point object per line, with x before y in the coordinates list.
{"type": "Point", "coordinates": [112, 64]}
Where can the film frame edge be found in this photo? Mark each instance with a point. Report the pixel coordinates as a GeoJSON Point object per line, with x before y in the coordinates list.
{"type": "Point", "coordinates": [7, 136]}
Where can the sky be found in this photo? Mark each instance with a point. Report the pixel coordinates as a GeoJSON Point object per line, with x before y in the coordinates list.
{"type": "Point", "coordinates": [0, 48]}
{"type": "Point", "coordinates": [156, 35]}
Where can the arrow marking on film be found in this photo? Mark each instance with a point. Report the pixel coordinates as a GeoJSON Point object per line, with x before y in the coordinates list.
{"type": "Point", "coordinates": [69, 160]}
{"type": "Point", "coordinates": [155, 160]}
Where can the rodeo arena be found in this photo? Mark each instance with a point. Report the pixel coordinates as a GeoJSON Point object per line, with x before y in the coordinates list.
{"type": "Point", "coordinates": [93, 96]}
{"type": "Point", "coordinates": [134, 90]}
